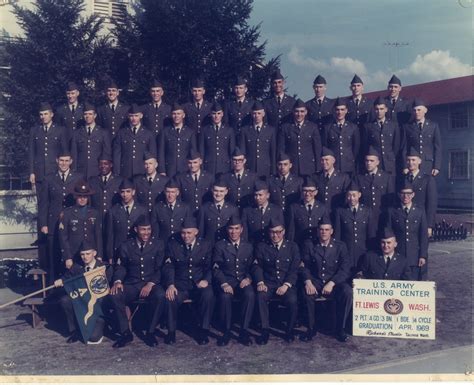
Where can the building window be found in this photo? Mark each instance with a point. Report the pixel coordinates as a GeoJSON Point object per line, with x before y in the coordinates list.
{"type": "Point", "coordinates": [459, 116]}
{"type": "Point", "coordinates": [459, 164]}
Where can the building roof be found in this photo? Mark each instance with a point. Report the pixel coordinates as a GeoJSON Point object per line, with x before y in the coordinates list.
{"type": "Point", "coordinates": [447, 91]}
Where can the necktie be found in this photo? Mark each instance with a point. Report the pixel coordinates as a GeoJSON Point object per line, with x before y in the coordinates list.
{"type": "Point", "coordinates": [276, 246]}
{"type": "Point", "coordinates": [112, 107]}
{"type": "Point", "coordinates": [196, 179]}
{"type": "Point", "coordinates": [354, 212]}
{"type": "Point", "coordinates": [239, 178]}
{"type": "Point", "coordinates": [170, 206]}
{"type": "Point", "coordinates": [394, 101]}
{"type": "Point", "coordinates": [279, 100]}
{"type": "Point", "coordinates": [324, 249]}
{"type": "Point", "coordinates": [89, 131]}
{"type": "Point", "coordinates": [45, 129]}
{"type": "Point", "coordinates": [217, 128]}
{"type": "Point", "coordinates": [357, 101]}
{"type": "Point", "coordinates": [104, 179]}
{"type": "Point", "coordinates": [178, 130]}
{"type": "Point", "coordinates": [387, 261]}
{"type": "Point", "coordinates": [327, 178]}
{"type": "Point", "coordinates": [262, 210]}
{"type": "Point", "coordinates": [134, 130]}
{"type": "Point", "coordinates": [319, 102]}
{"type": "Point", "coordinates": [198, 106]}
{"type": "Point", "coordinates": [283, 179]}
{"type": "Point", "coordinates": [63, 177]}
{"type": "Point", "coordinates": [381, 125]}
{"type": "Point", "coordinates": [190, 248]}
{"type": "Point", "coordinates": [73, 109]}
{"type": "Point", "coordinates": [298, 126]}
{"type": "Point", "coordinates": [411, 177]}
{"type": "Point", "coordinates": [156, 106]}
{"type": "Point", "coordinates": [339, 126]}
{"type": "Point", "coordinates": [150, 180]}
{"type": "Point", "coordinates": [127, 208]}
{"type": "Point", "coordinates": [310, 207]}
{"type": "Point", "coordinates": [372, 176]}
{"type": "Point", "coordinates": [240, 103]}
{"type": "Point", "coordinates": [420, 126]}
{"type": "Point", "coordinates": [142, 246]}
{"type": "Point", "coordinates": [88, 268]}
{"type": "Point", "coordinates": [407, 210]}
{"type": "Point", "coordinates": [236, 246]}
{"type": "Point", "coordinates": [218, 208]}
{"type": "Point", "coordinates": [258, 129]}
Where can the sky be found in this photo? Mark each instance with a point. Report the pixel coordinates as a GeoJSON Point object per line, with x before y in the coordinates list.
{"type": "Point", "coordinates": [338, 38]}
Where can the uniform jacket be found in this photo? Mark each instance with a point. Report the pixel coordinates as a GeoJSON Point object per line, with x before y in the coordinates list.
{"type": "Point", "coordinates": [361, 114]}
{"type": "Point", "coordinates": [148, 195]}
{"type": "Point", "coordinates": [277, 114]}
{"type": "Point", "coordinates": [275, 267]}
{"type": "Point", "coordinates": [212, 223]}
{"type": "Point", "coordinates": [112, 121]}
{"type": "Point", "coordinates": [185, 269]}
{"type": "Point", "coordinates": [320, 115]}
{"type": "Point", "coordinates": [155, 119]}
{"type": "Point", "coordinates": [231, 265]}
{"type": "Point", "coordinates": [77, 224]}
{"type": "Point", "coordinates": [301, 224]}
{"type": "Point", "coordinates": [44, 149]}
{"type": "Point", "coordinates": [377, 192]}
{"type": "Point", "coordinates": [192, 194]}
{"type": "Point", "coordinates": [332, 192]}
{"type": "Point", "coordinates": [65, 118]}
{"type": "Point", "coordinates": [345, 143]}
{"type": "Point", "coordinates": [373, 266]}
{"type": "Point", "coordinates": [197, 118]}
{"type": "Point", "coordinates": [284, 195]}
{"type": "Point", "coordinates": [86, 150]}
{"type": "Point", "coordinates": [256, 224]}
{"type": "Point", "coordinates": [259, 148]}
{"type": "Point", "coordinates": [105, 195]}
{"type": "Point", "coordinates": [240, 193]}
{"type": "Point", "coordinates": [166, 222]}
{"type": "Point", "coordinates": [323, 266]}
{"type": "Point", "coordinates": [303, 146]}
{"type": "Point", "coordinates": [238, 116]}
{"type": "Point", "coordinates": [129, 148]}
{"type": "Point", "coordinates": [138, 267]}
{"type": "Point", "coordinates": [400, 112]}
{"type": "Point", "coordinates": [173, 149]}
{"type": "Point", "coordinates": [216, 149]}
{"type": "Point", "coordinates": [426, 195]}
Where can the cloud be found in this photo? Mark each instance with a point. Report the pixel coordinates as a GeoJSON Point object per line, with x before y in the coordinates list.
{"type": "Point", "coordinates": [437, 64]}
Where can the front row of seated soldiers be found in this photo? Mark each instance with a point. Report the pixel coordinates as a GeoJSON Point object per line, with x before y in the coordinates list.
{"type": "Point", "coordinates": [191, 268]}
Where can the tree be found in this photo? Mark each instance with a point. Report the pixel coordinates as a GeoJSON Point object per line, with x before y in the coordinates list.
{"type": "Point", "coordinates": [58, 46]}
{"type": "Point", "coordinates": [178, 40]}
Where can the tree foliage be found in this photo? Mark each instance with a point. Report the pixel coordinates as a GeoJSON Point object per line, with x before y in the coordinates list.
{"type": "Point", "coordinates": [179, 40]}
{"type": "Point", "coordinates": [58, 45]}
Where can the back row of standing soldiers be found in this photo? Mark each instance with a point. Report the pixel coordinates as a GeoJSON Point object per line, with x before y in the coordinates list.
{"type": "Point", "coordinates": [297, 163]}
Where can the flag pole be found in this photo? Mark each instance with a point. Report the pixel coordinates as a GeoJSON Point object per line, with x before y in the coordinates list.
{"type": "Point", "coordinates": [26, 296]}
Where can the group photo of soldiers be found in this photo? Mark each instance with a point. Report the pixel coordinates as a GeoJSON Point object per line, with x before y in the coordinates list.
{"type": "Point", "coordinates": [233, 205]}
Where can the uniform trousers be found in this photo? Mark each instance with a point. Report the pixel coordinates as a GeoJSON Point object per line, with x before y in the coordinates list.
{"type": "Point", "coordinates": [289, 299]}
{"type": "Point", "coordinates": [247, 303]}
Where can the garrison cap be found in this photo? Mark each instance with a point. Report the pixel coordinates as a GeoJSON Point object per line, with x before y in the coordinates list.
{"type": "Point", "coordinates": [257, 106]}
{"type": "Point", "coordinates": [340, 102]}
{"type": "Point", "coordinates": [89, 107]}
{"type": "Point", "coordinates": [324, 220]}
{"type": "Point", "coordinates": [87, 245]}
{"type": "Point", "coordinates": [71, 86]}
{"type": "Point", "coordinates": [275, 222]}
{"type": "Point", "coordinates": [386, 233]}
{"type": "Point", "coordinates": [64, 152]}
{"type": "Point", "coordinates": [406, 185]}
{"type": "Point", "coordinates": [126, 184]}
{"type": "Point", "coordinates": [395, 80]}
{"type": "Point", "coordinates": [238, 152]}
{"type": "Point", "coordinates": [220, 183]}
{"type": "Point", "coordinates": [172, 184]}
{"type": "Point", "coordinates": [147, 155]}
{"type": "Point", "coordinates": [156, 83]}
{"type": "Point", "coordinates": [189, 223]}
{"type": "Point", "coordinates": [193, 154]}
{"type": "Point", "coordinates": [105, 156]}
{"type": "Point", "coordinates": [327, 152]}
{"type": "Point", "coordinates": [134, 109]}
{"type": "Point", "coordinates": [412, 151]}
{"type": "Point", "coordinates": [353, 186]}
{"type": "Point", "coordinates": [198, 83]}
{"type": "Point", "coordinates": [111, 84]}
{"type": "Point", "coordinates": [277, 76]}
{"type": "Point", "coordinates": [418, 102]}
{"type": "Point", "coordinates": [176, 107]}
{"type": "Point", "coordinates": [319, 80]}
{"type": "Point", "coordinates": [240, 81]}
{"type": "Point", "coordinates": [142, 220]}
{"type": "Point", "coordinates": [282, 157]}
{"type": "Point", "coordinates": [83, 188]}
{"type": "Point", "coordinates": [309, 182]}
{"type": "Point", "coordinates": [379, 101]}
{"type": "Point", "coordinates": [356, 79]}
{"type": "Point", "coordinates": [234, 220]}
{"type": "Point", "coordinates": [373, 152]}
{"type": "Point", "coordinates": [260, 185]}
{"type": "Point", "coordinates": [216, 107]}
{"type": "Point", "coordinates": [45, 106]}
{"type": "Point", "coordinates": [299, 104]}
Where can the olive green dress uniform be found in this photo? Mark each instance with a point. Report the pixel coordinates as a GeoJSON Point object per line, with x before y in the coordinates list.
{"type": "Point", "coordinates": [302, 221]}
{"type": "Point", "coordinates": [238, 114]}
{"type": "Point", "coordinates": [173, 149]}
{"type": "Point", "coordinates": [155, 118]}
{"type": "Point", "coordinates": [86, 149]}
{"type": "Point", "coordinates": [119, 226]}
{"type": "Point", "coordinates": [399, 110]}
{"type": "Point", "coordinates": [167, 221]}
{"type": "Point", "coordinates": [78, 224]}
{"type": "Point", "coordinates": [149, 192]}
{"type": "Point", "coordinates": [129, 148]}
{"type": "Point", "coordinates": [332, 189]}
{"type": "Point", "coordinates": [216, 147]}
{"type": "Point", "coordinates": [320, 112]}
{"type": "Point", "coordinates": [212, 221]}
{"type": "Point", "coordinates": [374, 266]}
{"type": "Point", "coordinates": [106, 194]}
{"type": "Point", "coordinates": [197, 118]}
{"type": "Point", "coordinates": [278, 112]}
{"type": "Point", "coordinates": [426, 195]}
{"type": "Point", "coordinates": [240, 188]}
{"type": "Point", "coordinates": [256, 223]}
{"type": "Point", "coordinates": [285, 193]}
{"type": "Point", "coordinates": [71, 121]}
{"type": "Point", "coordinates": [112, 120]}
{"type": "Point", "coordinates": [192, 193]}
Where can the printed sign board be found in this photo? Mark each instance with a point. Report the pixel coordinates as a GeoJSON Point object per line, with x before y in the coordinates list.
{"type": "Point", "coordinates": [394, 309]}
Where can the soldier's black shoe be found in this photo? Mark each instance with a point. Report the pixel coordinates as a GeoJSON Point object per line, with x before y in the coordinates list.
{"type": "Point", "coordinates": [224, 340]}
{"type": "Point", "coordinates": [125, 338]}
{"type": "Point", "coordinates": [289, 337]}
{"type": "Point", "coordinates": [308, 336]}
{"type": "Point", "coordinates": [262, 339]}
{"type": "Point", "coordinates": [150, 339]}
{"type": "Point", "coordinates": [74, 337]}
{"type": "Point", "coordinates": [244, 338]}
{"type": "Point", "coordinates": [202, 338]}
{"type": "Point", "coordinates": [170, 338]}
{"type": "Point", "coordinates": [342, 336]}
